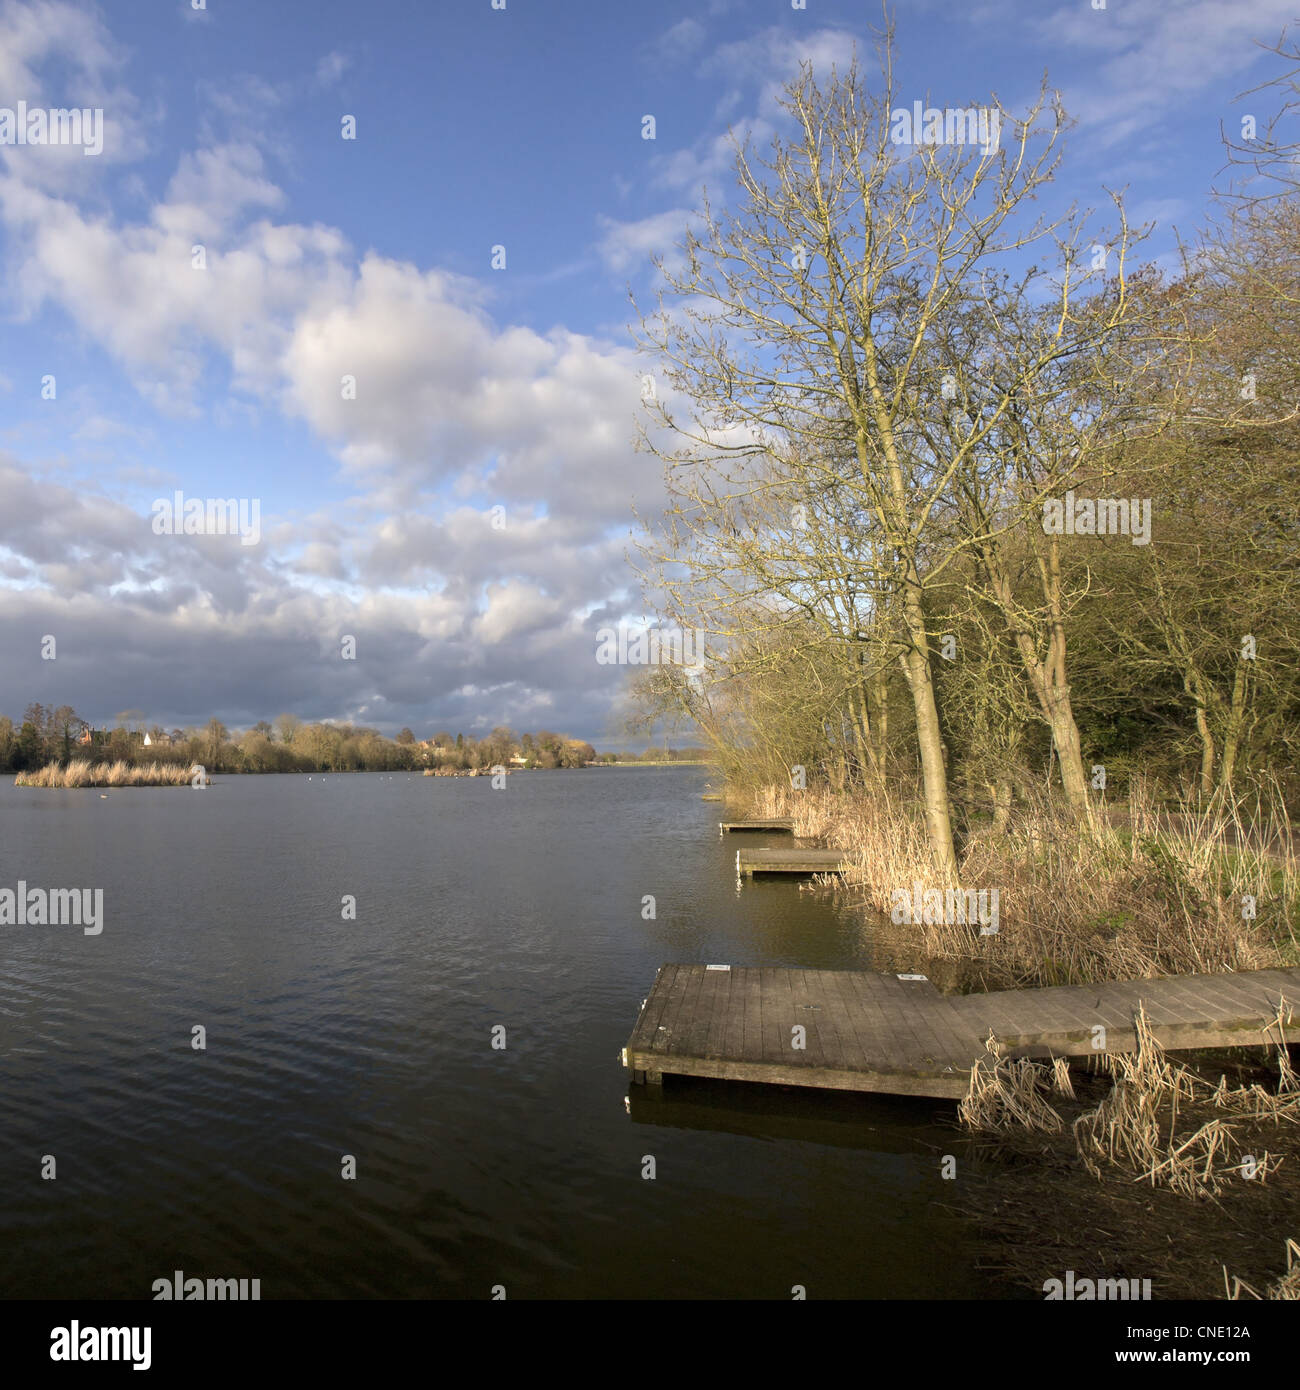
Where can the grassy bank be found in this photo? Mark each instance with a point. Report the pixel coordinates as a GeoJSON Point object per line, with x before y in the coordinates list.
{"type": "Point", "coordinates": [82, 773]}
{"type": "Point", "coordinates": [1128, 1166]}
{"type": "Point", "coordinates": [1156, 890]}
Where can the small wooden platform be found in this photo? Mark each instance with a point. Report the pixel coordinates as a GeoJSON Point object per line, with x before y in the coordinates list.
{"type": "Point", "coordinates": [780, 824]}
{"type": "Point", "coordinates": [789, 861]}
{"type": "Point", "coordinates": [868, 1032]}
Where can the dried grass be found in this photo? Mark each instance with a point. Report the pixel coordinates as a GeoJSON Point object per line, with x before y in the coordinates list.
{"type": "Point", "coordinates": [1160, 895]}
{"type": "Point", "coordinates": [1008, 1094]}
{"type": "Point", "coordinates": [1286, 1288]}
{"type": "Point", "coordinates": [1135, 1127]}
{"type": "Point", "coordinates": [83, 773]}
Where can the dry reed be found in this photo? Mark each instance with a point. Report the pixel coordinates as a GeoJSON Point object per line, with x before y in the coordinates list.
{"type": "Point", "coordinates": [83, 773]}
{"type": "Point", "coordinates": [1285, 1288]}
{"type": "Point", "coordinates": [1135, 1127]}
{"type": "Point", "coordinates": [1008, 1094]}
{"type": "Point", "coordinates": [1161, 894]}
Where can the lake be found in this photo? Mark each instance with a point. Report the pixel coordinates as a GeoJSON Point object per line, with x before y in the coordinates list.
{"type": "Point", "coordinates": [476, 1167]}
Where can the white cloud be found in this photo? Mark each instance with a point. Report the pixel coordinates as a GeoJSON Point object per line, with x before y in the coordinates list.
{"type": "Point", "coordinates": [450, 402]}
{"type": "Point", "coordinates": [766, 61]}
{"type": "Point", "coordinates": [1153, 58]}
{"type": "Point", "coordinates": [331, 67]}
{"type": "Point", "coordinates": [681, 40]}
{"type": "Point", "coordinates": [630, 245]}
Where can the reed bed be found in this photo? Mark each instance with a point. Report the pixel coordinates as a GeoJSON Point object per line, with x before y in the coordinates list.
{"type": "Point", "coordinates": [1135, 1127]}
{"type": "Point", "coordinates": [1011, 1094]}
{"type": "Point", "coordinates": [83, 773]}
{"type": "Point", "coordinates": [1135, 893]}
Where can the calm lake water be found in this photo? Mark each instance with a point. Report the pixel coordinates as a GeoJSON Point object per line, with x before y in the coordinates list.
{"type": "Point", "coordinates": [475, 1167]}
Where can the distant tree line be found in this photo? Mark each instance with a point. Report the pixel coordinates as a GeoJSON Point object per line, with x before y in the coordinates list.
{"type": "Point", "coordinates": [60, 735]}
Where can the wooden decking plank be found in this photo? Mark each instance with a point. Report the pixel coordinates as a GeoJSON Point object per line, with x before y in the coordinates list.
{"type": "Point", "coordinates": [776, 1033]}
{"type": "Point", "coordinates": [710, 1001]}
{"type": "Point", "coordinates": [776, 826]}
{"type": "Point", "coordinates": [752, 996]}
{"type": "Point", "coordinates": [875, 1032]}
{"type": "Point", "coordinates": [884, 991]}
{"type": "Point", "coordinates": [671, 1019]}
{"type": "Point", "coordinates": [825, 1020]}
{"type": "Point", "coordinates": [733, 1032]}
{"type": "Point", "coordinates": [1225, 994]}
{"type": "Point", "coordinates": [923, 1048]}
{"type": "Point", "coordinates": [879, 1045]}
{"type": "Point", "coordinates": [1071, 1010]}
{"type": "Point", "coordinates": [651, 1015]}
{"type": "Point", "coordinates": [789, 861]}
{"type": "Point", "coordinates": [837, 1019]}
{"type": "Point", "coordinates": [690, 1033]}
{"type": "Point", "coordinates": [1277, 983]}
{"type": "Point", "coordinates": [1177, 1004]}
{"type": "Point", "coordinates": [1070, 1031]}
{"type": "Point", "coordinates": [974, 1011]}
{"type": "Point", "coordinates": [963, 1046]}
{"type": "Point", "coordinates": [793, 996]}
{"type": "Point", "coordinates": [715, 1043]}
{"type": "Point", "coordinates": [873, 1028]}
{"type": "Point", "coordinates": [906, 1047]}
{"type": "Point", "coordinates": [1248, 995]}
{"type": "Point", "coordinates": [1130, 996]}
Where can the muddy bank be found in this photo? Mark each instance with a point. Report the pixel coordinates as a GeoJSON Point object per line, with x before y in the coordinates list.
{"type": "Point", "coordinates": [1038, 1211]}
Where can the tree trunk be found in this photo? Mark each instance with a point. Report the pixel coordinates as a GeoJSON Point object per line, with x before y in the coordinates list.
{"type": "Point", "coordinates": [1069, 751]}
{"type": "Point", "coordinates": [1047, 678]}
{"type": "Point", "coordinates": [929, 740]}
{"type": "Point", "coordinates": [1232, 738]}
{"type": "Point", "coordinates": [1191, 684]}
{"type": "Point", "coordinates": [882, 717]}
{"type": "Point", "coordinates": [916, 660]}
{"type": "Point", "coordinates": [1001, 804]}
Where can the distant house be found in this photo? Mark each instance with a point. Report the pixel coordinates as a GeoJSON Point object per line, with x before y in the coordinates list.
{"type": "Point", "coordinates": [148, 742]}
{"type": "Point", "coordinates": [518, 761]}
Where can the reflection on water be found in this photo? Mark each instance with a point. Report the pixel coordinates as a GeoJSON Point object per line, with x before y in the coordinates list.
{"type": "Point", "coordinates": [371, 1037]}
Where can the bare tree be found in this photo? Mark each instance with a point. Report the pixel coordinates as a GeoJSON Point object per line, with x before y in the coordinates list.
{"type": "Point", "coordinates": [800, 330]}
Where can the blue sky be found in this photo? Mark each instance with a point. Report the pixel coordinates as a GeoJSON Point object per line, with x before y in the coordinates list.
{"type": "Point", "coordinates": [477, 388]}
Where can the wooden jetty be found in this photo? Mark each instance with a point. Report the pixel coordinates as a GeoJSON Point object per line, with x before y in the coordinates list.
{"type": "Point", "coordinates": [863, 1031]}
{"type": "Point", "coordinates": [789, 861]}
{"type": "Point", "coordinates": [780, 823]}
